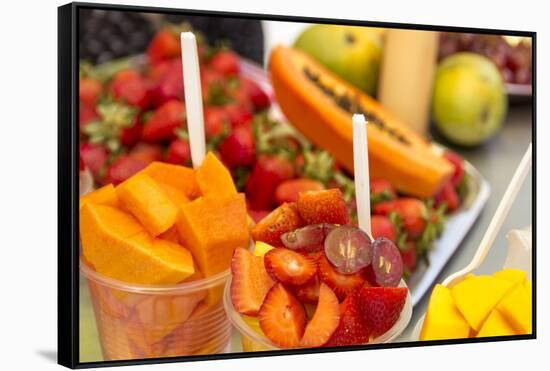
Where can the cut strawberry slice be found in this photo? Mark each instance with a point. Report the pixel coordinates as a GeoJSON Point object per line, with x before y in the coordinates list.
{"type": "Point", "coordinates": [282, 317]}
{"type": "Point", "coordinates": [325, 320]}
{"type": "Point", "coordinates": [250, 282]}
{"type": "Point", "coordinates": [351, 330]}
{"type": "Point", "coordinates": [289, 267]}
{"type": "Point", "coordinates": [283, 219]}
{"type": "Point", "coordinates": [342, 284]}
{"type": "Point", "coordinates": [309, 291]}
{"type": "Point", "coordinates": [326, 206]}
{"type": "Point", "coordinates": [381, 307]}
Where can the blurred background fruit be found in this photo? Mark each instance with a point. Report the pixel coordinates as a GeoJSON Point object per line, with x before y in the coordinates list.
{"type": "Point", "coordinates": [469, 101]}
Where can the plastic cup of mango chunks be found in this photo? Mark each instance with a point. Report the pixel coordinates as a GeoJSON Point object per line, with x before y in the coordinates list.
{"type": "Point", "coordinates": [253, 340]}
{"type": "Point", "coordinates": [150, 321]}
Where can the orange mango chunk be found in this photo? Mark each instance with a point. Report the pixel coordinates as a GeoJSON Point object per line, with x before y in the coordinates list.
{"type": "Point", "coordinates": [175, 195]}
{"type": "Point", "coordinates": [517, 308]}
{"type": "Point", "coordinates": [105, 195]}
{"type": "Point", "coordinates": [214, 179]}
{"type": "Point", "coordinates": [180, 177]}
{"type": "Point", "coordinates": [495, 325]}
{"type": "Point", "coordinates": [118, 246]}
{"type": "Point", "coordinates": [145, 199]}
{"type": "Point", "coordinates": [211, 228]}
{"type": "Point", "coordinates": [171, 235]}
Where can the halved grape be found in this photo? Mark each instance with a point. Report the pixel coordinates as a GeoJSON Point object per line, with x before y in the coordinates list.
{"type": "Point", "coordinates": [386, 262]}
{"type": "Point", "coordinates": [309, 238]}
{"type": "Point", "coordinates": [348, 248]}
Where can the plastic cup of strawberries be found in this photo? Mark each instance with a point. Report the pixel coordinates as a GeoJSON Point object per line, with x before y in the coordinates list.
{"type": "Point", "coordinates": [314, 279]}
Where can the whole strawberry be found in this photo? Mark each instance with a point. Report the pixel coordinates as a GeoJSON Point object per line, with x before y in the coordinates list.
{"type": "Point", "coordinates": [258, 97]}
{"type": "Point", "coordinates": [448, 196]}
{"type": "Point", "coordinates": [123, 168]}
{"type": "Point", "coordinates": [179, 152]}
{"type": "Point", "coordinates": [225, 62]}
{"type": "Point", "coordinates": [381, 190]}
{"type": "Point", "coordinates": [268, 172]}
{"type": "Point", "coordinates": [168, 84]}
{"type": "Point", "coordinates": [130, 87]}
{"type": "Point", "coordinates": [381, 226]}
{"type": "Point", "coordinates": [351, 329]}
{"type": "Point", "coordinates": [94, 157]}
{"type": "Point", "coordinates": [412, 212]}
{"type": "Point", "coordinates": [162, 125]}
{"type": "Point", "coordinates": [165, 45]}
{"type": "Point", "coordinates": [381, 307]}
{"type": "Point", "coordinates": [239, 148]}
{"type": "Point", "coordinates": [458, 164]}
{"type": "Point", "coordinates": [89, 91]}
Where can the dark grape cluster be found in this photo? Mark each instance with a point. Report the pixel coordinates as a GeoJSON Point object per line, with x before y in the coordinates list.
{"type": "Point", "coordinates": [513, 61]}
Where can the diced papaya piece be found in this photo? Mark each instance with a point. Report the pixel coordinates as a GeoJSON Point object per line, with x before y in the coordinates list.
{"type": "Point", "coordinates": [118, 246]}
{"type": "Point", "coordinates": [516, 276]}
{"type": "Point", "coordinates": [261, 248]}
{"type": "Point", "coordinates": [105, 195]}
{"type": "Point", "coordinates": [476, 297]}
{"type": "Point", "coordinates": [495, 325]}
{"type": "Point", "coordinates": [180, 177]}
{"type": "Point", "coordinates": [214, 179]}
{"type": "Point", "coordinates": [517, 308]}
{"type": "Point", "coordinates": [171, 235]}
{"type": "Point", "coordinates": [443, 320]}
{"type": "Point", "coordinates": [175, 195]}
{"type": "Point", "coordinates": [211, 228]}
{"type": "Point", "coordinates": [145, 199]}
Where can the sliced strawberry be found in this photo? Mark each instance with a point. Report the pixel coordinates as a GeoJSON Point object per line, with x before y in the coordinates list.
{"type": "Point", "coordinates": [225, 62]}
{"type": "Point", "coordinates": [123, 168]}
{"type": "Point", "coordinates": [89, 91]}
{"type": "Point", "coordinates": [408, 256]}
{"type": "Point", "coordinates": [342, 284]}
{"type": "Point", "coordinates": [458, 164]}
{"type": "Point", "coordinates": [289, 267]}
{"type": "Point", "coordinates": [351, 329]}
{"type": "Point", "coordinates": [283, 219]}
{"type": "Point", "coordinates": [325, 320]}
{"type": "Point", "coordinates": [239, 148]}
{"type": "Point", "coordinates": [381, 226]}
{"type": "Point", "coordinates": [162, 124]}
{"type": "Point", "coordinates": [259, 98]}
{"type": "Point", "coordinates": [448, 196]}
{"type": "Point", "coordinates": [282, 317]}
{"type": "Point", "coordinates": [381, 307]}
{"type": "Point", "coordinates": [129, 86]}
{"type": "Point", "coordinates": [381, 190]}
{"type": "Point", "coordinates": [327, 206]}
{"type": "Point", "coordinates": [165, 45]}
{"type": "Point", "coordinates": [249, 283]}
{"type": "Point", "coordinates": [216, 121]}
{"type": "Point", "coordinates": [268, 172]}
{"type": "Point", "coordinates": [94, 157]}
{"type": "Point", "coordinates": [412, 212]}
{"type": "Point", "coordinates": [146, 152]}
{"type": "Point", "coordinates": [309, 291]}
{"type": "Point", "coordinates": [179, 152]}
{"type": "Point", "coordinates": [289, 190]}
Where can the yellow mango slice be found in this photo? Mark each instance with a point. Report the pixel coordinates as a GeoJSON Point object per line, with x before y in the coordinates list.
{"type": "Point", "coordinates": [119, 247]}
{"type": "Point", "coordinates": [146, 200]}
{"type": "Point", "coordinates": [495, 325]}
{"type": "Point", "coordinates": [175, 195]}
{"type": "Point", "coordinates": [214, 179]}
{"type": "Point", "coordinates": [476, 297]}
{"type": "Point", "coordinates": [180, 177]}
{"type": "Point", "coordinates": [443, 320]}
{"type": "Point", "coordinates": [516, 276]}
{"type": "Point", "coordinates": [261, 248]}
{"type": "Point", "coordinates": [105, 195]}
{"type": "Point", "coordinates": [517, 308]}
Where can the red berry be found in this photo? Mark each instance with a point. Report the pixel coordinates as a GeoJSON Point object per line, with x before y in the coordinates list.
{"type": "Point", "coordinates": [179, 152]}
{"type": "Point", "coordinates": [165, 45]}
{"type": "Point", "coordinates": [239, 148]}
{"type": "Point", "coordinates": [89, 91]}
{"type": "Point", "coordinates": [342, 284]}
{"type": "Point", "coordinates": [164, 121]}
{"type": "Point", "coordinates": [351, 329]}
{"type": "Point", "coordinates": [258, 97]}
{"type": "Point", "coordinates": [215, 121]}
{"type": "Point", "coordinates": [268, 172]}
{"type": "Point", "coordinates": [412, 211]}
{"type": "Point", "coordinates": [123, 168]}
{"type": "Point", "coordinates": [327, 206]}
{"type": "Point", "coordinates": [146, 152]}
{"type": "Point", "coordinates": [309, 291]}
{"type": "Point", "coordinates": [225, 62]}
{"type": "Point", "coordinates": [289, 267]}
{"type": "Point", "coordinates": [380, 307]}
{"type": "Point", "coordinates": [381, 226]}
{"type": "Point", "coordinates": [408, 256]}
{"type": "Point", "coordinates": [324, 322]}
{"type": "Point", "coordinates": [448, 196]}
{"type": "Point", "coordinates": [238, 115]}
{"type": "Point", "coordinates": [131, 135]}
{"type": "Point", "coordinates": [283, 219]}
{"type": "Point", "coordinates": [458, 164]}
{"type": "Point", "coordinates": [289, 190]}
{"type": "Point", "coordinates": [94, 157]}
{"type": "Point", "coordinates": [130, 87]}
{"type": "Point", "coordinates": [169, 84]}
{"type": "Point", "coordinates": [86, 114]}
{"type": "Point", "coordinates": [381, 190]}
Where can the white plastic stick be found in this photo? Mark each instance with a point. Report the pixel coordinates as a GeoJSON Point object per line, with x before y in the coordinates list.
{"type": "Point", "coordinates": [193, 97]}
{"type": "Point", "coordinates": [361, 167]}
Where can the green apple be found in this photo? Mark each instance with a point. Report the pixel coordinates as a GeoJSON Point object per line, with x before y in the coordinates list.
{"type": "Point", "coordinates": [469, 100]}
{"type": "Point", "coordinates": [353, 53]}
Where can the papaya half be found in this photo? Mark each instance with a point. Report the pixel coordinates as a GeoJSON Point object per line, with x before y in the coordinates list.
{"type": "Point", "coordinates": [320, 105]}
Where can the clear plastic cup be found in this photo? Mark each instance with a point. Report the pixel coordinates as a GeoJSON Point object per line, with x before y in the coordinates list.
{"type": "Point", "coordinates": [149, 321]}
{"type": "Point", "coordinates": [253, 340]}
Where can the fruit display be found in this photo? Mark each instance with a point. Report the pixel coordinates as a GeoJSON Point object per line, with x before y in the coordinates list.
{"type": "Point", "coordinates": [315, 280]}
{"type": "Point", "coordinates": [469, 100]}
{"type": "Point", "coordinates": [513, 59]}
{"type": "Point", "coordinates": [480, 306]}
{"type": "Point", "coordinates": [163, 226]}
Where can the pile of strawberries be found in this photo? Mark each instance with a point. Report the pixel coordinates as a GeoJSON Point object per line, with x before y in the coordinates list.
{"type": "Point", "coordinates": [299, 298]}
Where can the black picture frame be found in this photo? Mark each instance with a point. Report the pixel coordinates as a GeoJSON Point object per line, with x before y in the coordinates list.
{"type": "Point", "coordinates": [68, 165]}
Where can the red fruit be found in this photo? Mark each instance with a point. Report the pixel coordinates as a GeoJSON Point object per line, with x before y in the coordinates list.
{"type": "Point", "coordinates": [326, 206]}
{"type": "Point", "coordinates": [258, 215]}
{"type": "Point", "coordinates": [381, 226]}
{"type": "Point", "coordinates": [130, 87]}
{"type": "Point", "coordinates": [215, 120]}
{"type": "Point", "coordinates": [89, 90]}
{"type": "Point", "coordinates": [324, 322]}
{"type": "Point", "coordinates": [123, 168]}
{"type": "Point", "coordinates": [225, 62]}
{"type": "Point", "coordinates": [342, 284]}
{"type": "Point", "coordinates": [169, 83]}
{"type": "Point", "coordinates": [164, 121]}
{"type": "Point", "coordinates": [81, 165]}
{"type": "Point", "coordinates": [268, 172]}
{"type": "Point", "coordinates": [309, 291]}
{"type": "Point", "coordinates": [131, 135]}
{"type": "Point", "coordinates": [351, 329]}
{"type": "Point", "coordinates": [146, 152]}
{"type": "Point", "coordinates": [381, 190]}
{"type": "Point", "coordinates": [94, 157]}
{"type": "Point", "coordinates": [289, 267]}
{"type": "Point", "coordinates": [238, 115]}
{"type": "Point", "coordinates": [283, 219]}
{"type": "Point", "coordinates": [258, 97]}
{"type": "Point", "coordinates": [239, 148]}
{"type": "Point", "coordinates": [458, 164]}
{"type": "Point", "coordinates": [282, 317]}
{"type": "Point", "coordinates": [380, 307]}
{"type": "Point", "coordinates": [448, 196]}
{"type": "Point", "coordinates": [289, 190]}
{"type": "Point", "coordinates": [165, 45]}
{"type": "Point", "coordinates": [412, 211]}
{"type": "Point", "coordinates": [408, 256]}
{"type": "Point", "coordinates": [249, 283]}
{"type": "Point", "coordinates": [86, 114]}
{"type": "Point", "coordinates": [179, 152]}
